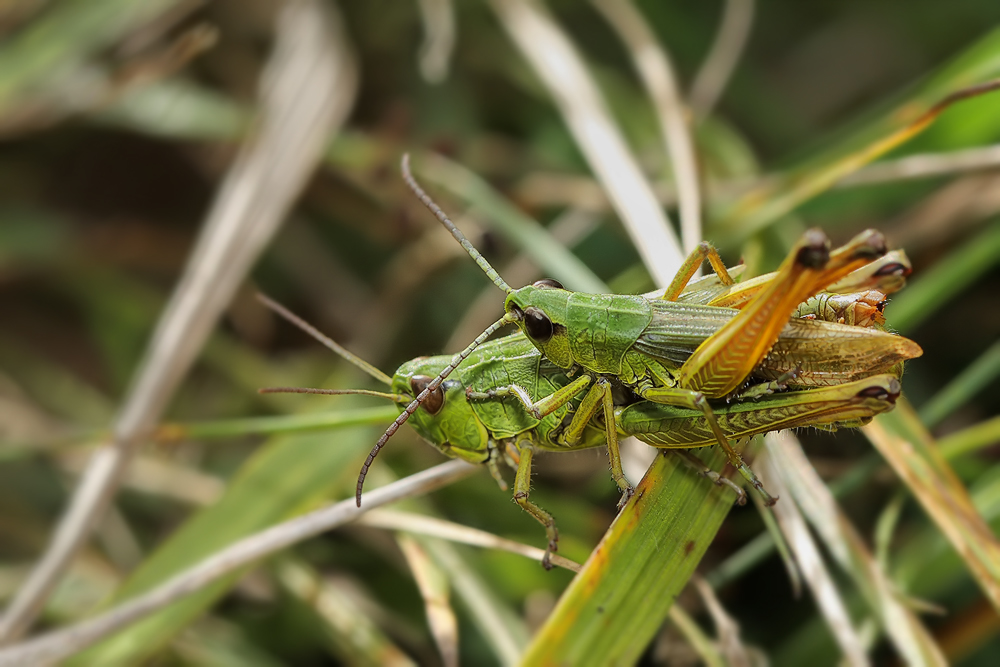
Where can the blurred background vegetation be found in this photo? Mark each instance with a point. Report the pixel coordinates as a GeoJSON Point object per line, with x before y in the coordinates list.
{"type": "Point", "coordinates": [115, 129]}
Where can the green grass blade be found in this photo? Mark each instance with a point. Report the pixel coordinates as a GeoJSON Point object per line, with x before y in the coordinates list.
{"type": "Point", "coordinates": [617, 603]}
{"type": "Point", "coordinates": [904, 442]}
{"type": "Point", "coordinates": [964, 386]}
{"type": "Point", "coordinates": [763, 206]}
{"type": "Point", "coordinates": [946, 279]}
{"type": "Point", "coordinates": [526, 233]}
{"type": "Point", "coordinates": [970, 439]}
{"type": "Point", "coordinates": [278, 481]}
{"type": "Point", "coordinates": [68, 33]}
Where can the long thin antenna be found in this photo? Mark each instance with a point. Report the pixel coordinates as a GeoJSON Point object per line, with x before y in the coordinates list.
{"type": "Point", "coordinates": [508, 318]}
{"type": "Point", "coordinates": [324, 339]}
{"type": "Point", "coordinates": [395, 398]}
{"type": "Point", "coordinates": [450, 226]}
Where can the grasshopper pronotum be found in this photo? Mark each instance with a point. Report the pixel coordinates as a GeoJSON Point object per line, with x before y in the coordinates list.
{"type": "Point", "coordinates": [479, 414]}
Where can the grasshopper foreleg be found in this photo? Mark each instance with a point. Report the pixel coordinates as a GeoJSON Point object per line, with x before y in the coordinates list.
{"type": "Point", "coordinates": [543, 407]}
{"type": "Point", "coordinates": [522, 489]}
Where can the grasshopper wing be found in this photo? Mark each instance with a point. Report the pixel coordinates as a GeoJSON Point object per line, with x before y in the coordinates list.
{"type": "Point", "coordinates": [826, 353]}
{"type": "Point", "coordinates": [677, 329]}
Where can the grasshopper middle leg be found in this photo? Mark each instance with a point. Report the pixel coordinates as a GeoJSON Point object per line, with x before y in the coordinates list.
{"type": "Point", "coordinates": [598, 399]}
{"type": "Point", "coordinates": [522, 489]}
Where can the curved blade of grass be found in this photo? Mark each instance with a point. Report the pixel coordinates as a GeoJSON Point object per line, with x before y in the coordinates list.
{"type": "Point", "coordinates": [66, 34]}
{"type": "Point", "coordinates": [561, 69]}
{"type": "Point", "coordinates": [298, 115]}
{"type": "Point", "coordinates": [438, 17]}
{"type": "Point", "coordinates": [814, 571]}
{"type": "Point", "coordinates": [912, 640]}
{"type": "Point", "coordinates": [203, 576]}
{"type": "Point", "coordinates": [434, 589]}
{"type": "Point", "coordinates": [700, 642]}
{"type": "Point", "coordinates": [614, 607]}
{"type": "Point", "coordinates": [504, 631]}
{"type": "Point", "coordinates": [904, 442]}
{"type": "Point", "coordinates": [657, 73]}
{"type": "Point", "coordinates": [726, 627]}
{"type": "Point", "coordinates": [947, 278]}
{"type": "Point", "coordinates": [964, 386]}
{"type": "Point", "coordinates": [279, 480]}
{"type": "Point", "coordinates": [524, 232]}
{"type": "Point", "coordinates": [711, 79]}
{"type": "Point", "coordinates": [762, 206]}
{"type": "Point", "coordinates": [352, 635]}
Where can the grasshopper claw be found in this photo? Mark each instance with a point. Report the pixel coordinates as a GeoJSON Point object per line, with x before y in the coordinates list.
{"type": "Point", "coordinates": [552, 548]}
{"type": "Point", "coordinates": [626, 494]}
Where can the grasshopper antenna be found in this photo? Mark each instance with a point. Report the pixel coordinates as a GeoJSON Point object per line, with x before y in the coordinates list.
{"type": "Point", "coordinates": [323, 339]}
{"type": "Point", "coordinates": [395, 398]}
{"type": "Point", "coordinates": [426, 200]}
{"type": "Point", "coordinates": [422, 396]}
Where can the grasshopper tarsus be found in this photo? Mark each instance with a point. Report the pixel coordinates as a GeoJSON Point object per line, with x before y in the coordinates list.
{"type": "Point", "coordinates": [553, 546]}
{"type": "Point", "coordinates": [769, 500]}
{"type": "Point", "coordinates": [626, 496]}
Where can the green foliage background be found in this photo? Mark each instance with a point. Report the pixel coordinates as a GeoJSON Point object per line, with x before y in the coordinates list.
{"type": "Point", "coordinates": [100, 202]}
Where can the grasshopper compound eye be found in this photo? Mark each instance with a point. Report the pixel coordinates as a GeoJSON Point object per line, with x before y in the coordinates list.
{"type": "Point", "coordinates": [547, 283]}
{"type": "Point", "coordinates": [893, 269]}
{"type": "Point", "coordinates": [435, 400]}
{"type": "Point", "coordinates": [537, 325]}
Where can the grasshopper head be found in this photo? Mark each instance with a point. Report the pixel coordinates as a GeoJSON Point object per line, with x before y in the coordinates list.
{"type": "Point", "coordinates": [446, 419]}
{"type": "Point", "coordinates": [541, 310]}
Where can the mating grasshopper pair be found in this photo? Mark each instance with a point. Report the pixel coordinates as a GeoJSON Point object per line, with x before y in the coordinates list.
{"type": "Point", "coordinates": [686, 354]}
{"type": "Point", "coordinates": [531, 392]}
{"type": "Point", "coordinates": [478, 414]}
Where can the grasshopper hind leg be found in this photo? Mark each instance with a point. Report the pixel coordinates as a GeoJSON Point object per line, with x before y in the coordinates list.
{"type": "Point", "coordinates": [695, 400]}
{"type": "Point", "coordinates": [715, 477]}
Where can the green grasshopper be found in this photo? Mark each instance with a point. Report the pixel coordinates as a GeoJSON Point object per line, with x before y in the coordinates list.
{"type": "Point", "coordinates": [683, 354]}
{"type": "Point", "coordinates": [481, 416]}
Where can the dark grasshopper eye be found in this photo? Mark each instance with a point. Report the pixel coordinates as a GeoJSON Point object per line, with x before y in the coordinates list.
{"type": "Point", "coordinates": [537, 324]}
{"type": "Point", "coordinates": [547, 283]}
{"type": "Point", "coordinates": [892, 269]}
{"type": "Point", "coordinates": [435, 400]}
{"type": "Point", "coordinates": [877, 393]}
